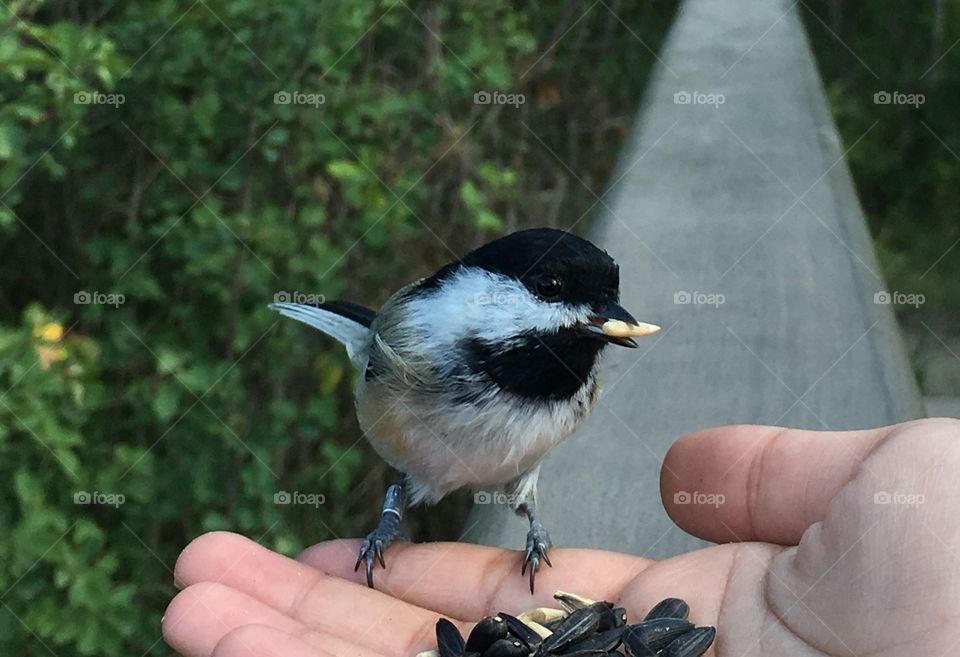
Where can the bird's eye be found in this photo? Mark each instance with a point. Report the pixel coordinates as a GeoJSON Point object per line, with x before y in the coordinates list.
{"type": "Point", "coordinates": [548, 285]}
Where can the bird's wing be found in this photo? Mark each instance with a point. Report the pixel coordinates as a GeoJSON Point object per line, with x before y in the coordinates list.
{"type": "Point", "coordinates": [400, 353]}
{"type": "Point", "coordinates": [345, 321]}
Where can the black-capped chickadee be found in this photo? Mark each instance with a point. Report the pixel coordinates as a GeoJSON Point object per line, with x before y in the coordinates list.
{"type": "Point", "coordinates": [470, 376]}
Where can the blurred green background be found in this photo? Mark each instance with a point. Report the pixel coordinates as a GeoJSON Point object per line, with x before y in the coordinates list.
{"type": "Point", "coordinates": [169, 168]}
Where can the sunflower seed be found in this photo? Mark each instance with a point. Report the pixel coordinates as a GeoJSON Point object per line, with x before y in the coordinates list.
{"type": "Point", "coordinates": [691, 644]}
{"type": "Point", "coordinates": [524, 632]}
{"type": "Point", "coordinates": [669, 608]}
{"type": "Point", "coordinates": [449, 640]}
{"type": "Point", "coordinates": [611, 617]}
{"type": "Point", "coordinates": [600, 642]}
{"type": "Point", "coordinates": [581, 623]}
{"type": "Point", "coordinates": [552, 625]}
{"type": "Point", "coordinates": [544, 632]}
{"type": "Point", "coordinates": [485, 633]}
{"type": "Point", "coordinates": [543, 615]}
{"type": "Point", "coordinates": [586, 653]}
{"type": "Point", "coordinates": [571, 601]}
{"type": "Point", "coordinates": [582, 628]}
{"type": "Point", "coordinates": [647, 637]}
{"type": "Point", "coordinates": [506, 648]}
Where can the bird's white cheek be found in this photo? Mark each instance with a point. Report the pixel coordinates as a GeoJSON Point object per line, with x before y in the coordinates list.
{"type": "Point", "coordinates": [490, 307]}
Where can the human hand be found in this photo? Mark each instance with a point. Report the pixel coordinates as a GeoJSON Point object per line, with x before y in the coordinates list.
{"type": "Point", "coordinates": [836, 544]}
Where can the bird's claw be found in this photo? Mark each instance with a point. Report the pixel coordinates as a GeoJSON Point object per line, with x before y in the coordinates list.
{"type": "Point", "coordinates": [538, 544]}
{"type": "Point", "coordinates": [371, 551]}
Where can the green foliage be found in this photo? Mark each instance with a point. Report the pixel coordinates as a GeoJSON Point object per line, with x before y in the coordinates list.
{"type": "Point", "coordinates": [156, 192]}
{"type": "Point", "coordinates": [905, 158]}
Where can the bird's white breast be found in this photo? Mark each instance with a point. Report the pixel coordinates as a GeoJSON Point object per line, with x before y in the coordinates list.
{"type": "Point", "coordinates": [445, 447]}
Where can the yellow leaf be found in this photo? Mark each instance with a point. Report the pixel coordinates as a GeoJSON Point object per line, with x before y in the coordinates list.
{"type": "Point", "coordinates": [49, 332]}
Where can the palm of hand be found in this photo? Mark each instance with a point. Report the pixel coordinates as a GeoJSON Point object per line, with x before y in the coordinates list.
{"type": "Point", "coordinates": [838, 544]}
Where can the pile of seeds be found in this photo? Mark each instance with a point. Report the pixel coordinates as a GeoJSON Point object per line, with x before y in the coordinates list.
{"type": "Point", "coordinates": [582, 628]}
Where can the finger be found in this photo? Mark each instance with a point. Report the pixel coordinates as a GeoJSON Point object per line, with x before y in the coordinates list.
{"type": "Point", "coordinates": [758, 483]}
{"type": "Point", "coordinates": [293, 589]}
{"type": "Point", "coordinates": [203, 615]}
{"type": "Point", "coordinates": [266, 641]}
{"type": "Point", "coordinates": [247, 566]}
{"type": "Point", "coordinates": [471, 581]}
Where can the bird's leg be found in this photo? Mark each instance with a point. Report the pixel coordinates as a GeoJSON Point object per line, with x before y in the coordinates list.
{"type": "Point", "coordinates": [388, 529]}
{"type": "Point", "coordinates": [538, 543]}
{"type": "Point", "coordinates": [524, 495]}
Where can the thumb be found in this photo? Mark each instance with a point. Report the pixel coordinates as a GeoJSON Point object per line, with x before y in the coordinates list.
{"type": "Point", "coordinates": [759, 483]}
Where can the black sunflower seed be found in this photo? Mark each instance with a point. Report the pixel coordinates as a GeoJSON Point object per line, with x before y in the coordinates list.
{"type": "Point", "coordinates": [581, 623]}
{"type": "Point", "coordinates": [600, 642]}
{"type": "Point", "coordinates": [612, 617]}
{"type": "Point", "coordinates": [669, 608]}
{"type": "Point", "coordinates": [691, 644]}
{"type": "Point", "coordinates": [521, 631]}
{"type": "Point", "coordinates": [485, 633]}
{"type": "Point", "coordinates": [449, 640]}
{"type": "Point", "coordinates": [592, 629]}
{"type": "Point", "coordinates": [586, 653]}
{"type": "Point", "coordinates": [646, 638]}
{"type": "Point", "coordinates": [553, 624]}
{"type": "Point", "coordinates": [506, 648]}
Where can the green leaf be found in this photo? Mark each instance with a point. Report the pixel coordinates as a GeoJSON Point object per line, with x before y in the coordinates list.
{"type": "Point", "coordinates": [347, 171]}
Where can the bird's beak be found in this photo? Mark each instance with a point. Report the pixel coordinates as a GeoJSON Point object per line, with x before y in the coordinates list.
{"type": "Point", "coordinates": [614, 324]}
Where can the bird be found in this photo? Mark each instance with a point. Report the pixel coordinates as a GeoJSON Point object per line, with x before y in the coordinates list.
{"type": "Point", "coordinates": [470, 376]}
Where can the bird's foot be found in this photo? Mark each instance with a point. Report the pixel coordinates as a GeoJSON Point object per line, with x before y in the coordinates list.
{"type": "Point", "coordinates": [371, 550]}
{"type": "Point", "coordinates": [387, 531]}
{"type": "Point", "coordinates": [538, 544]}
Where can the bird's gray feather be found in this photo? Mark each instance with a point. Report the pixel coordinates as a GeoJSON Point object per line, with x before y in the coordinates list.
{"type": "Point", "coordinates": [354, 335]}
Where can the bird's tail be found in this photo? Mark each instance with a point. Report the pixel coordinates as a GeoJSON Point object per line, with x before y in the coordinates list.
{"type": "Point", "coordinates": [347, 322]}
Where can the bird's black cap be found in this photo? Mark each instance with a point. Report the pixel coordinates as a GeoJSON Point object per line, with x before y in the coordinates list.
{"type": "Point", "coordinates": [587, 274]}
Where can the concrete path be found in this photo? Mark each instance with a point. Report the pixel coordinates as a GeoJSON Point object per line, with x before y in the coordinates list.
{"type": "Point", "coordinates": [736, 225]}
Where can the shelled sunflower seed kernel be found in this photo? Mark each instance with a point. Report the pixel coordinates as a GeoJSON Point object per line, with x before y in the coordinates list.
{"type": "Point", "coordinates": [580, 628]}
